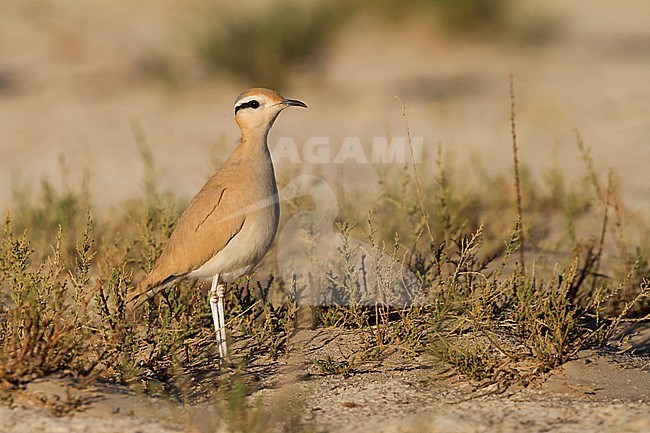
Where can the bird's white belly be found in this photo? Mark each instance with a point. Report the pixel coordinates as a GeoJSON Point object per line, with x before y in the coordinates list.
{"type": "Point", "coordinates": [244, 251]}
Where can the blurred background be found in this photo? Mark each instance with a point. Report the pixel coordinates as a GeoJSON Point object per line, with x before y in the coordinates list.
{"type": "Point", "coordinates": [95, 93]}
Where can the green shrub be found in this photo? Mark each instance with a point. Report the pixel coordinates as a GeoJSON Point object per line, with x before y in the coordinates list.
{"type": "Point", "coordinates": [264, 46]}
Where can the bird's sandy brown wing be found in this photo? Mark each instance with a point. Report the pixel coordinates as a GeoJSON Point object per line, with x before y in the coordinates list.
{"type": "Point", "coordinates": [206, 226]}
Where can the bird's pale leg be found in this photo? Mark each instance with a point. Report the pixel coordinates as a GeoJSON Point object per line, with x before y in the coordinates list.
{"type": "Point", "coordinates": [222, 311]}
{"type": "Point", "coordinates": [219, 325]}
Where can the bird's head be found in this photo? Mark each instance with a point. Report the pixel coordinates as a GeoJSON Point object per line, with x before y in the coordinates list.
{"type": "Point", "coordinates": [256, 109]}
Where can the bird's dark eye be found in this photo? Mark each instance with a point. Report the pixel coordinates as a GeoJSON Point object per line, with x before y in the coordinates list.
{"type": "Point", "coordinates": [250, 104]}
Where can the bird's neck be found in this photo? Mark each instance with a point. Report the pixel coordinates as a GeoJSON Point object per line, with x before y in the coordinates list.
{"type": "Point", "coordinates": [255, 143]}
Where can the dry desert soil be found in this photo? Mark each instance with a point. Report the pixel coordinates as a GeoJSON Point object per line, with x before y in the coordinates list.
{"type": "Point", "coordinates": [598, 391]}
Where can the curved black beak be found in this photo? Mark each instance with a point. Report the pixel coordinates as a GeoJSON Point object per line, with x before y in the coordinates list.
{"type": "Point", "coordinates": [294, 103]}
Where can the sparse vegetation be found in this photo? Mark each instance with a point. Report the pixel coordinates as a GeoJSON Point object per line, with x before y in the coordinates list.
{"type": "Point", "coordinates": [466, 16]}
{"type": "Point", "coordinates": [266, 43]}
{"type": "Point", "coordinates": [445, 281]}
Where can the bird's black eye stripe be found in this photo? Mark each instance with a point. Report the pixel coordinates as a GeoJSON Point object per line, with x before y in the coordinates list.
{"type": "Point", "coordinates": [250, 104]}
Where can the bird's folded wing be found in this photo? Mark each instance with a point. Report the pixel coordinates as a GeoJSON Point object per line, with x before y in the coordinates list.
{"type": "Point", "coordinates": [210, 221]}
{"type": "Point", "coordinates": [206, 226]}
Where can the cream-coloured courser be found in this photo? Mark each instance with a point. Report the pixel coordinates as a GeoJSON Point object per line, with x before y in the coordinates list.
{"type": "Point", "coordinates": [229, 226]}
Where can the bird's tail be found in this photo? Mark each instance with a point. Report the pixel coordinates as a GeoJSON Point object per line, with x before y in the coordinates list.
{"type": "Point", "coordinates": [147, 289]}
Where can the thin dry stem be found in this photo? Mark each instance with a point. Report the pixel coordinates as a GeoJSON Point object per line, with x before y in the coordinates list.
{"type": "Point", "coordinates": [515, 153]}
{"type": "Point", "coordinates": [415, 172]}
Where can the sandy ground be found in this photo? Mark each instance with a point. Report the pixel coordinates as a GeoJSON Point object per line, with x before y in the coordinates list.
{"type": "Point", "coordinates": [596, 392]}
{"type": "Point", "coordinates": [73, 80]}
